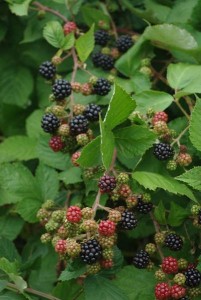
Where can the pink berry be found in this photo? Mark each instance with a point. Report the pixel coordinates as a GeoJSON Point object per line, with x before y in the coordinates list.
{"type": "Point", "coordinates": [75, 157]}
{"type": "Point", "coordinates": [162, 291]}
{"type": "Point", "coordinates": [107, 228]}
{"type": "Point", "coordinates": [60, 246]}
{"type": "Point", "coordinates": [160, 116]}
{"type": "Point", "coordinates": [74, 214]}
{"type": "Point", "coordinates": [69, 27]}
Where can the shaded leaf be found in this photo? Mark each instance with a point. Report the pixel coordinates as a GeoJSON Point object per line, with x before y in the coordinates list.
{"type": "Point", "coordinates": [85, 44]}
{"type": "Point", "coordinates": [192, 177]}
{"type": "Point", "coordinates": [194, 130]}
{"type": "Point", "coordinates": [107, 145]}
{"type": "Point", "coordinates": [91, 155]}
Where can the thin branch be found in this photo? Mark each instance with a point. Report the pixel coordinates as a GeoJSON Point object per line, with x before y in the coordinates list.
{"type": "Point", "coordinates": [32, 291]}
{"type": "Point", "coordinates": [180, 136]}
{"type": "Point", "coordinates": [97, 200]}
{"type": "Point", "coordinates": [50, 10]}
{"type": "Point", "coordinates": [176, 101]}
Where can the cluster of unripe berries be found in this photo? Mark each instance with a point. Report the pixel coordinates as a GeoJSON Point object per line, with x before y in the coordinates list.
{"type": "Point", "coordinates": [196, 213]}
{"type": "Point", "coordinates": [163, 149]}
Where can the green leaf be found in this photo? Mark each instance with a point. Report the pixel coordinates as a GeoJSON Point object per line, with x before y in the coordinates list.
{"type": "Point", "coordinates": [159, 213]}
{"type": "Point", "coordinates": [152, 181]}
{"type": "Point", "coordinates": [85, 44]}
{"type": "Point", "coordinates": [3, 284]}
{"type": "Point", "coordinates": [68, 41]}
{"type": "Point", "coordinates": [53, 33]}
{"type": "Point", "coordinates": [10, 226]}
{"type": "Point", "coordinates": [107, 290]}
{"type": "Point", "coordinates": [156, 100]}
{"type": "Point", "coordinates": [17, 148]}
{"type": "Point", "coordinates": [47, 182]}
{"type": "Point", "coordinates": [184, 78]}
{"type": "Point", "coordinates": [33, 126]}
{"type": "Point", "coordinates": [120, 107]}
{"type": "Point", "coordinates": [8, 250]}
{"type": "Point", "coordinates": [129, 62]}
{"type": "Point", "coordinates": [93, 16]}
{"type": "Point", "coordinates": [90, 155]}
{"type": "Point", "coordinates": [182, 11]}
{"type": "Point", "coordinates": [192, 177]}
{"type": "Point", "coordinates": [28, 209]}
{"type": "Point", "coordinates": [133, 140]}
{"type": "Point", "coordinates": [17, 90]}
{"type": "Point", "coordinates": [58, 160]}
{"type": "Point", "coordinates": [170, 37]}
{"type": "Point", "coordinates": [74, 269]}
{"type": "Point", "coordinates": [75, 291]}
{"type": "Point", "coordinates": [132, 281]}
{"type": "Point", "coordinates": [20, 9]}
{"type": "Point", "coordinates": [71, 176]}
{"type": "Point", "coordinates": [194, 130]}
{"type": "Point", "coordinates": [107, 145]}
{"type": "Point", "coordinates": [177, 214]}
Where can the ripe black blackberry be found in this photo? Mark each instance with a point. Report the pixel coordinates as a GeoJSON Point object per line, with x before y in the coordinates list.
{"type": "Point", "coordinates": [101, 37]}
{"type": "Point", "coordinates": [91, 251]}
{"type": "Point", "coordinates": [107, 62]}
{"type": "Point", "coordinates": [163, 151]}
{"type": "Point", "coordinates": [199, 217]}
{"type": "Point", "coordinates": [97, 59]}
{"type": "Point", "coordinates": [102, 87]}
{"type": "Point", "coordinates": [79, 124]}
{"type": "Point", "coordinates": [128, 220]}
{"type": "Point", "coordinates": [124, 42]}
{"type": "Point", "coordinates": [92, 112]}
{"type": "Point", "coordinates": [47, 70]}
{"type": "Point", "coordinates": [107, 183]}
{"type": "Point", "coordinates": [193, 277]}
{"type": "Point", "coordinates": [61, 89]}
{"type": "Point", "coordinates": [141, 259]}
{"type": "Point", "coordinates": [144, 207]}
{"type": "Point", "coordinates": [50, 123]}
{"type": "Point", "coordinates": [174, 242]}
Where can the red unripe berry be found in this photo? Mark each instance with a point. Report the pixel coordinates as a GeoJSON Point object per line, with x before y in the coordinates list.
{"type": "Point", "coordinates": [74, 214]}
{"type": "Point", "coordinates": [69, 27]}
{"type": "Point", "coordinates": [56, 143]}
{"type": "Point", "coordinates": [106, 263]}
{"type": "Point", "coordinates": [170, 265]}
{"type": "Point", "coordinates": [75, 157]}
{"type": "Point", "coordinates": [177, 291]}
{"type": "Point", "coordinates": [60, 246]}
{"type": "Point", "coordinates": [162, 291]}
{"type": "Point", "coordinates": [159, 116]}
{"type": "Point", "coordinates": [107, 228]}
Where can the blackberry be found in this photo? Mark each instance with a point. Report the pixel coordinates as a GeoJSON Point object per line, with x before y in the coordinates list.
{"type": "Point", "coordinates": [107, 183]}
{"type": "Point", "coordinates": [199, 217]}
{"type": "Point", "coordinates": [144, 207]}
{"type": "Point", "coordinates": [61, 89]}
{"type": "Point", "coordinates": [163, 151]}
{"type": "Point", "coordinates": [92, 112]}
{"type": "Point", "coordinates": [193, 277]}
{"type": "Point", "coordinates": [97, 59]}
{"type": "Point", "coordinates": [102, 87]}
{"type": "Point", "coordinates": [107, 62]}
{"type": "Point", "coordinates": [174, 242]}
{"type": "Point", "coordinates": [91, 251]}
{"type": "Point", "coordinates": [124, 42]}
{"type": "Point", "coordinates": [47, 70]}
{"type": "Point", "coordinates": [128, 220]}
{"type": "Point", "coordinates": [50, 123]}
{"type": "Point", "coordinates": [101, 37]}
{"type": "Point", "coordinates": [141, 259]}
{"type": "Point", "coordinates": [79, 124]}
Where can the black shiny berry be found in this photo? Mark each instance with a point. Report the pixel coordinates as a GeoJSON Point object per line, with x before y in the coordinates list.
{"type": "Point", "coordinates": [124, 42]}
{"type": "Point", "coordinates": [92, 112]}
{"type": "Point", "coordinates": [163, 151]}
{"type": "Point", "coordinates": [61, 89]}
{"type": "Point", "coordinates": [50, 123]}
{"type": "Point", "coordinates": [102, 87]}
{"type": "Point", "coordinates": [174, 242]}
{"type": "Point", "coordinates": [91, 251]}
{"type": "Point", "coordinates": [128, 220]}
{"type": "Point", "coordinates": [79, 124]}
{"type": "Point", "coordinates": [107, 183]}
{"type": "Point", "coordinates": [107, 62]}
{"type": "Point", "coordinates": [47, 70]}
{"type": "Point", "coordinates": [141, 259]}
{"type": "Point", "coordinates": [101, 37]}
{"type": "Point", "coordinates": [193, 277]}
{"type": "Point", "coordinates": [144, 207]}
{"type": "Point", "coordinates": [97, 59]}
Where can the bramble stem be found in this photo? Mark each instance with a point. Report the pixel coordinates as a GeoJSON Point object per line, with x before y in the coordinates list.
{"type": "Point", "coordinates": [180, 136]}
{"type": "Point", "coordinates": [176, 101]}
{"type": "Point", "coordinates": [50, 10]}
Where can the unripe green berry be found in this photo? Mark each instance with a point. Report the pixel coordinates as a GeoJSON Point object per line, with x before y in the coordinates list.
{"type": "Point", "coordinates": [150, 266]}
{"type": "Point", "coordinates": [64, 130]}
{"type": "Point", "coordinates": [107, 242]}
{"type": "Point", "coordinates": [122, 178]}
{"type": "Point", "coordinates": [51, 225]}
{"type": "Point", "coordinates": [161, 127]}
{"type": "Point", "coordinates": [195, 209]}
{"type": "Point", "coordinates": [194, 292]}
{"type": "Point", "coordinates": [93, 80]}
{"type": "Point", "coordinates": [55, 239]}
{"type": "Point", "coordinates": [182, 264]}
{"type": "Point", "coordinates": [111, 79]}
{"type": "Point", "coordinates": [93, 269]}
{"type": "Point", "coordinates": [105, 50]}
{"type": "Point", "coordinates": [45, 238]}
{"type": "Point", "coordinates": [58, 111]}
{"type": "Point", "coordinates": [146, 71]}
{"type": "Point", "coordinates": [108, 253]}
{"type": "Point", "coordinates": [43, 214]}
{"type": "Point", "coordinates": [48, 204]}
{"type": "Point", "coordinates": [73, 248]}
{"type": "Point", "coordinates": [146, 197]}
{"type": "Point", "coordinates": [160, 275]}
{"type": "Point", "coordinates": [171, 165]}
{"type": "Point", "coordinates": [145, 62]}
{"type": "Point", "coordinates": [159, 237]}
{"type": "Point", "coordinates": [88, 173]}
{"type": "Point", "coordinates": [89, 226]}
{"type": "Point", "coordinates": [82, 139]}
{"type": "Point", "coordinates": [87, 213]}
{"type": "Point", "coordinates": [179, 278]}
{"type": "Point", "coordinates": [78, 109]}
{"type": "Point", "coordinates": [150, 248]}
{"type": "Point", "coordinates": [58, 215]}
{"type": "Point", "coordinates": [114, 215]}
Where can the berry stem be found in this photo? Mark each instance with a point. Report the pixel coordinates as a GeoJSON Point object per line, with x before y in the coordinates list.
{"type": "Point", "coordinates": [113, 161]}
{"type": "Point", "coordinates": [176, 101]}
{"type": "Point", "coordinates": [180, 135]}
{"type": "Point", "coordinates": [96, 202]}
{"type": "Point", "coordinates": [157, 229]}
{"type": "Point", "coordinates": [50, 10]}
{"type": "Point", "coordinates": [104, 208]}
{"type": "Point", "coordinates": [32, 291]}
